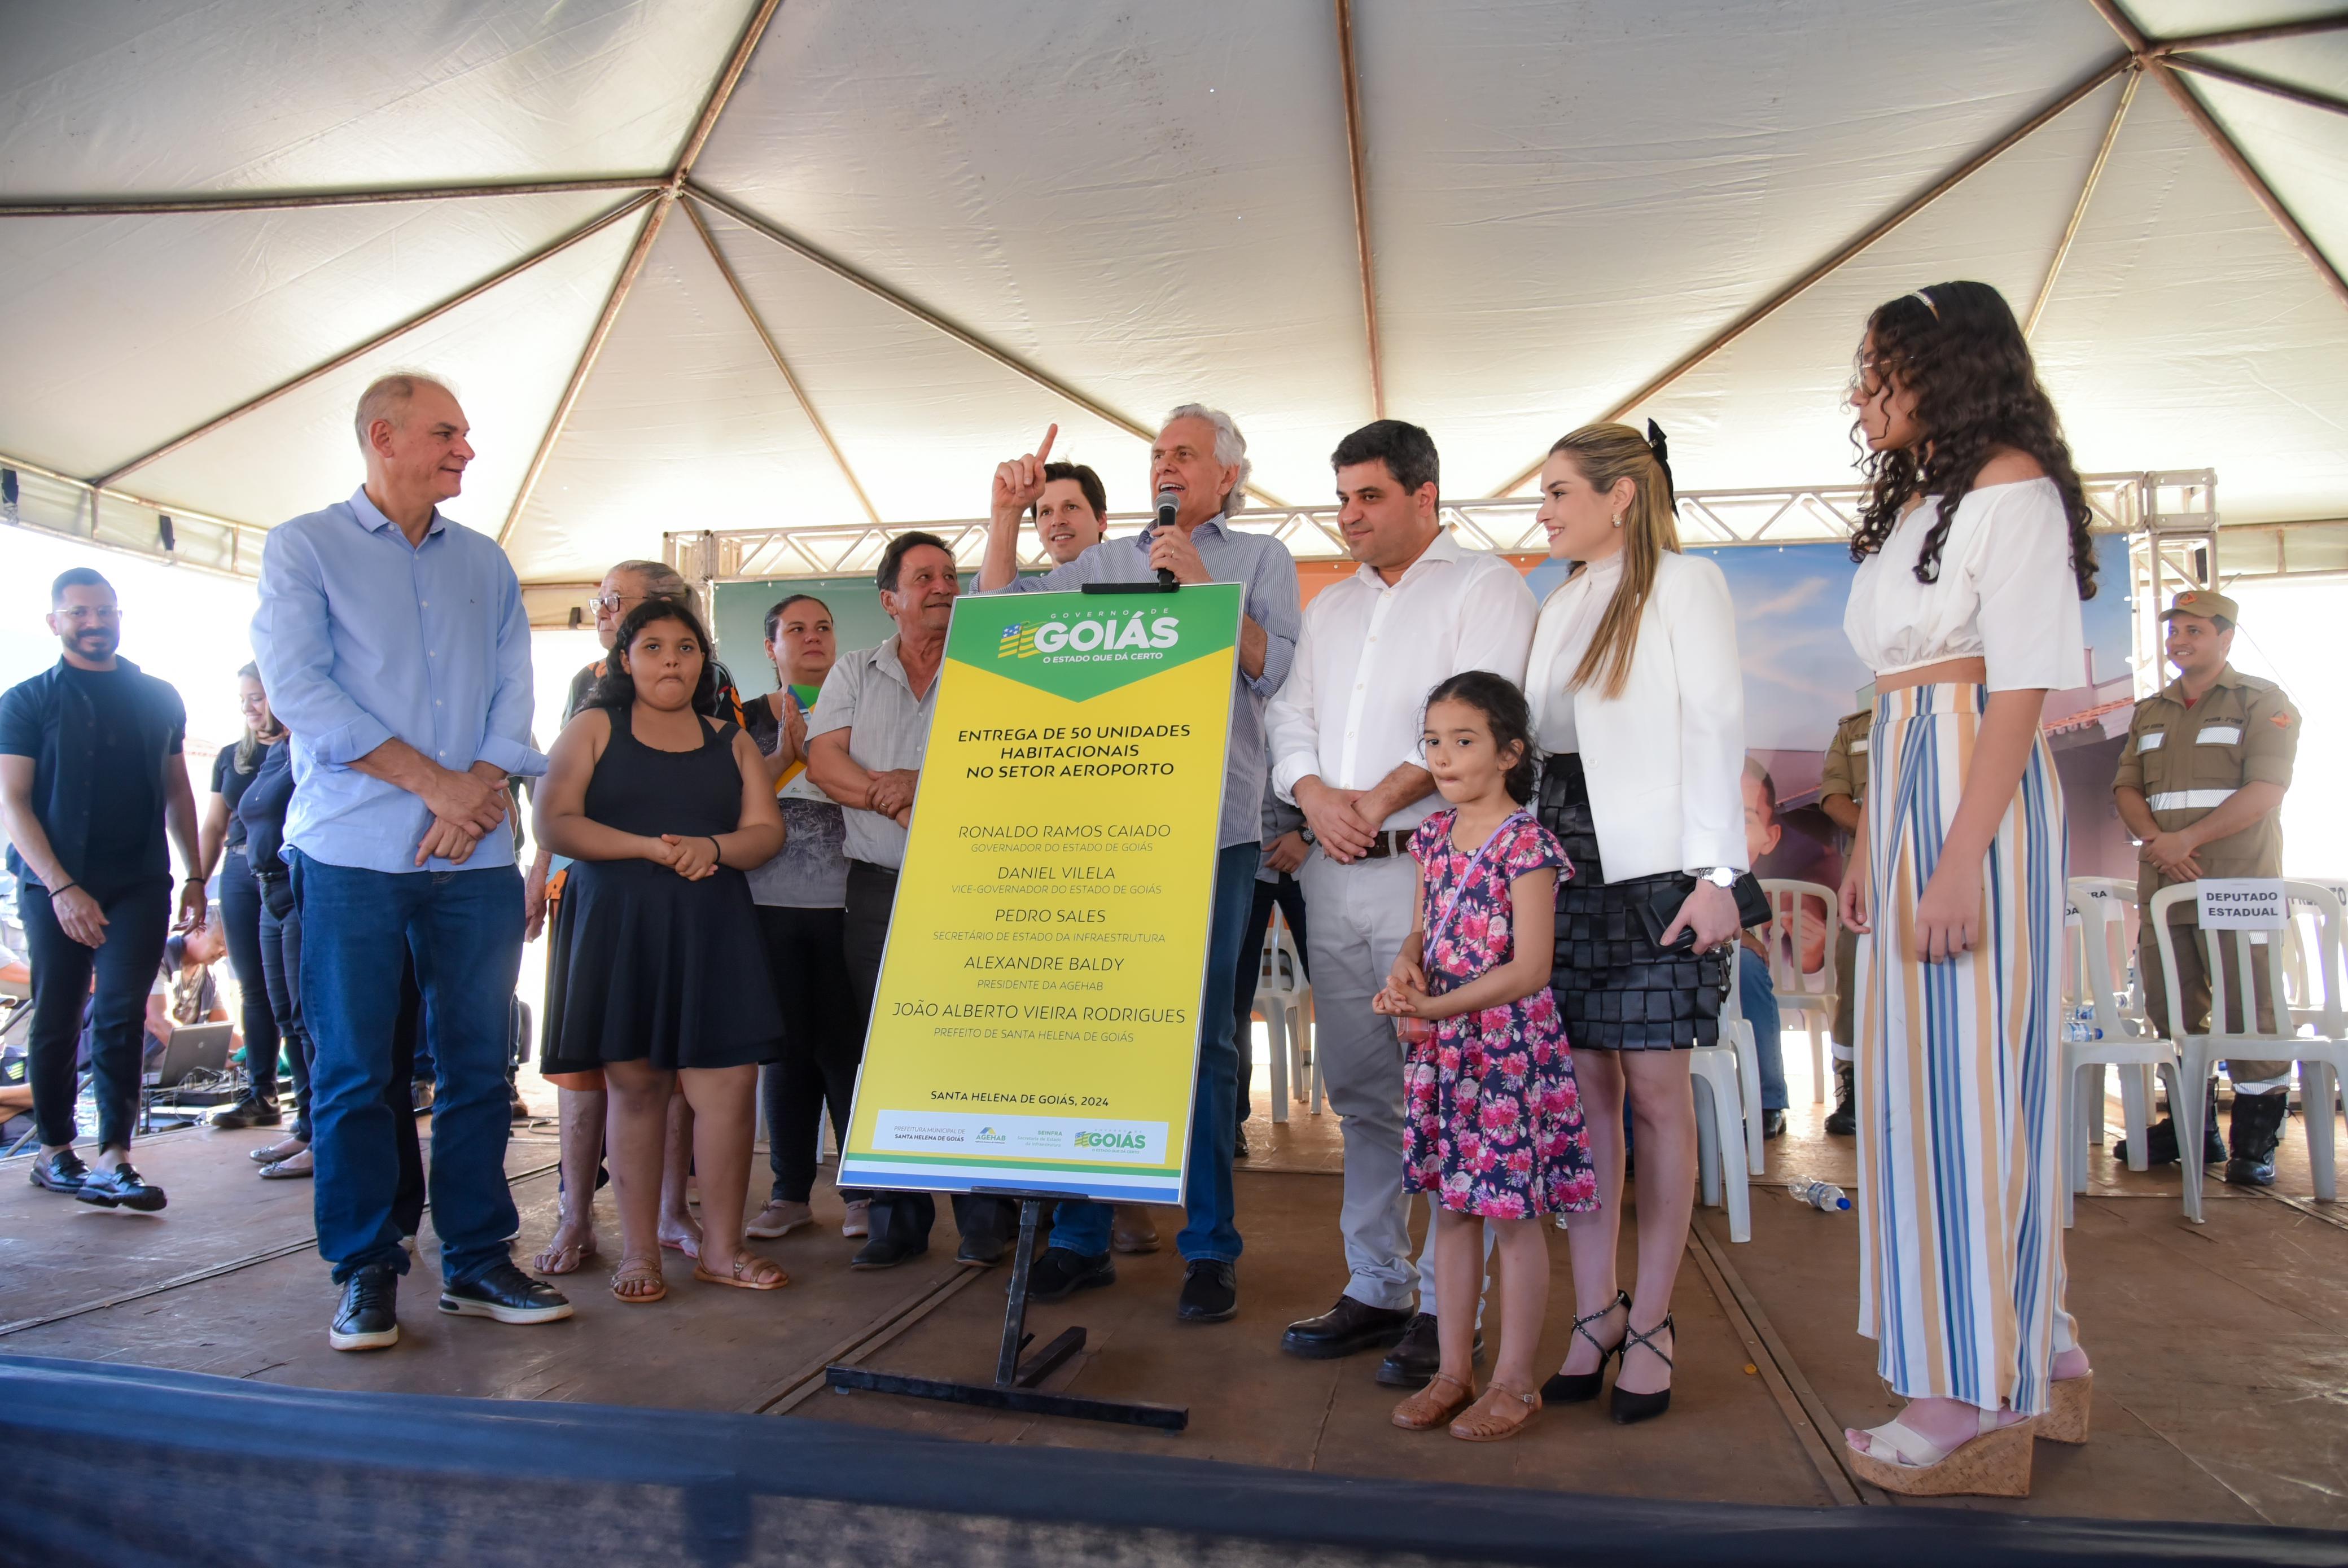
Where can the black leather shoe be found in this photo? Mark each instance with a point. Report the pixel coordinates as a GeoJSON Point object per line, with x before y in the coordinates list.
{"type": "Point", "coordinates": [369, 1318]}
{"type": "Point", "coordinates": [1842, 1121]}
{"type": "Point", "coordinates": [1058, 1273]}
{"type": "Point", "coordinates": [1239, 1143]}
{"type": "Point", "coordinates": [1773, 1125]}
{"type": "Point", "coordinates": [60, 1172]}
{"type": "Point", "coordinates": [1211, 1292]}
{"type": "Point", "coordinates": [881, 1252]}
{"type": "Point", "coordinates": [247, 1114]}
{"type": "Point", "coordinates": [507, 1294]}
{"type": "Point", "coordinates": [119, 1187]}
{"type": "Point", "coordinates": [1417, 1358]}
{"type": "Point", "coordinates": [1346, 1327]}
{"type": "Point", "coordinates": [981, 1252]}
{"type": "Point", "coordinates": [2250, 1173]}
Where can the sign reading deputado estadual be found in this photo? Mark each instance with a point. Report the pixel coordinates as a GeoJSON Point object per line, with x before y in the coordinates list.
{"type": "Point", "coordinates": [1037, 1020]}
{"type": "Point", "coordinates": [2243, 903]}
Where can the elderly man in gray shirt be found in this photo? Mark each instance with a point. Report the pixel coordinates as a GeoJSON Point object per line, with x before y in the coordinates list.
{"type": "Point", "coordinates": [1201, 457]}
{"type": "Point", "coordinates": [865, 745]}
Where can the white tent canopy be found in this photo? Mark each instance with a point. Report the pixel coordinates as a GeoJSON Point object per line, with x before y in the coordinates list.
{"type": "Point", "coordinates": [695, 265]}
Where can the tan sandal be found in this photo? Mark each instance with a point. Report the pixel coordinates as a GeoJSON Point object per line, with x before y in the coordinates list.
{"type": "Point", "coordinates": [1428, 1410]}
{"type": "Point", "coordinates": [564, 1259]}
{"type": "Point", "coordinates": [1499, 1415]}
{"type": "Point", "coordinates": [2066, 1420]}
{"type": "Point", "coordinates": [762, 1274]}
{"type": "Point", "coordinates": [639, 1270]}
{"type": "Point", "coordinates": [1993, 1462]}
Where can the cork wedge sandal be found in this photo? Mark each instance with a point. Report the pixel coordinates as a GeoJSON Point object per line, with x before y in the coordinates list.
{"type": "Point", "coordinates": [2066, 1420]}
{"type": "Point", "coordinates": [1994, 1462]}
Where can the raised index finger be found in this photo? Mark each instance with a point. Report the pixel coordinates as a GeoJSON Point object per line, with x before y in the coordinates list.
{"type": "Point", "coordinates": [1051, 433]}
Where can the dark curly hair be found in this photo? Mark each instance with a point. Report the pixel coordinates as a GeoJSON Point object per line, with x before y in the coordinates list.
{"type": "Point", "coordinates": [1958, 348]}
{"type": "Point", "coordinates": [616, 688]}
{"type": "Point", "coordinates": [1508, 715]}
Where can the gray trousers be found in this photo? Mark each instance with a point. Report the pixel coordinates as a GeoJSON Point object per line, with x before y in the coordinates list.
{"type": "Point", "coordinates": [1360, 914]}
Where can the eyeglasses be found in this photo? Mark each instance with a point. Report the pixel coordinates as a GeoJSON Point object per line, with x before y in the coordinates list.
{"type": "Point", "coordinates": [612, 603]}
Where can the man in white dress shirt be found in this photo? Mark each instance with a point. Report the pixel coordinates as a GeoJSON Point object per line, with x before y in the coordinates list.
{"type": "Point", "coordinates": [1345, 733]}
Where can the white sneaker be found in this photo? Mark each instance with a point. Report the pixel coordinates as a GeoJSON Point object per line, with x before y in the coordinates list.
{"type": "Point", "coordinates": [859, 1218]}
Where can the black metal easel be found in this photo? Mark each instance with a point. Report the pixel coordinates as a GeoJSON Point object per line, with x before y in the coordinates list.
{"type": "Point", "coordinates": [1014, 1388]}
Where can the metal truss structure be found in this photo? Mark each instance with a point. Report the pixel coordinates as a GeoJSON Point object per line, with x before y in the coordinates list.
{"type": "Point", "coordinates": [1799, 515]}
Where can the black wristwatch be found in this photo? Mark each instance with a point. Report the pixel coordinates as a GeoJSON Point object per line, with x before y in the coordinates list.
{"type": "Point", "coordinates": [1305, 833]}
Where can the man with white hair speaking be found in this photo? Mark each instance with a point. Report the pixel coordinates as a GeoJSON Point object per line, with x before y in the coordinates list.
{"type": "Point", "coordinates": [1201, 457]}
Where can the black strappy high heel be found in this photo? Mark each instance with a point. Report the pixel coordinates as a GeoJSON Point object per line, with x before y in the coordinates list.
{"type": "Point", "coordinates": [1580, 1388]}
{"type": "Point", "coordinates": [1629, 1408]}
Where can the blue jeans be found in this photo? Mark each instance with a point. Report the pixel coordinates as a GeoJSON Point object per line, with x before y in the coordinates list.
{"type": "Point", "coordinates": [1213, 1229]}
{"type": "Point", "coordinates": [464, 929]}
{"type": "Point", "coordinates": [1760, 1002]}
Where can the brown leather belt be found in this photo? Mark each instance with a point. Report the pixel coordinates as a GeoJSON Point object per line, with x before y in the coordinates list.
{"type": "Point", "coordinates": [1387, 841]}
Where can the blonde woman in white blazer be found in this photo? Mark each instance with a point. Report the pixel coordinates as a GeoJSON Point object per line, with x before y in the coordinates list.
{"type": "Point", "coordinates": [1639, 709]}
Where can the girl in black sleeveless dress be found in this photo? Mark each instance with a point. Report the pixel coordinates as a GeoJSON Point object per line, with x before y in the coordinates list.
{"type": "Point", "coordinates": [661, 808]}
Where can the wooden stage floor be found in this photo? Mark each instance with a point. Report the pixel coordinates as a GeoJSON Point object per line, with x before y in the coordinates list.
{"type": "Point", "coordinates": [2221, 1359]}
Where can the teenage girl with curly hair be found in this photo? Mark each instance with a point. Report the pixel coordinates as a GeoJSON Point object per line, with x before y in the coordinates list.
{"type": "Point", "coordinates": [1974, 556]}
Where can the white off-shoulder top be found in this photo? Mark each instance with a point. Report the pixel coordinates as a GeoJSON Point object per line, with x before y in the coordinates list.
{"type": "Point", "coordinates": [2005, 594]}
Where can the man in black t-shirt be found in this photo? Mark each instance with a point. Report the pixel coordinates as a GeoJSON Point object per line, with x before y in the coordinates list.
{"type": "Point", "coordinates": [90, 778]}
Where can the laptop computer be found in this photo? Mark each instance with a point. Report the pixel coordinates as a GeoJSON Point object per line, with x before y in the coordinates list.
{"type": "Point", "coordinates": [192, 1048]}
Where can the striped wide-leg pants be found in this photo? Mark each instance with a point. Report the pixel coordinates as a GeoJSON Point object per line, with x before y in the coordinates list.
{"type": "Point", "coordinates": [1959, 1077]}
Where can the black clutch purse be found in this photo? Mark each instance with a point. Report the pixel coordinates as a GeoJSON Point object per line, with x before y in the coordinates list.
{"type": "Point", "coordinates": [1662, 906]}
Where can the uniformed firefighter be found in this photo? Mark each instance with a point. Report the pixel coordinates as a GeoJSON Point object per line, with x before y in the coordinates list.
{"type": "Point", "coordinates": [2200, 787]}
{"type": "Point", "coordinates": [1842, 796]}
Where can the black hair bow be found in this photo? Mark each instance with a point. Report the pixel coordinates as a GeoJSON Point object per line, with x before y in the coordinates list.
{"type": "Point", "coordinates": [1663, 450]}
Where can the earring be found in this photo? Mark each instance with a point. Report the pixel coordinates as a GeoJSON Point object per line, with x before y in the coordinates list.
{"type": "Point", "coordinates": [1618, 520]}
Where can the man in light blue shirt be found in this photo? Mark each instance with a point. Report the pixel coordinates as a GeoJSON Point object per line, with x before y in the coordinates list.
{"type": "Point", "coordinates": [1201, 457]}
{"type": "Point", "coordinates": [396, 651]}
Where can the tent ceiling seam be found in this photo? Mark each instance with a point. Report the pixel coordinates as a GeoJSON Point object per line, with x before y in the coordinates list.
{"type": "Point", "coordinates": [775, 353]}
{"type": "Point", "coordinates": [2265, 194]}
{"type": "Point", "coordinates": [2333, 22]}
{"type": "Point", "coordinates": [1357, 158]}
{"type": "Point", "coordinates": [721, 91]}
{"type": "Point", "coordinates": [932, 319]}
{"type": "Point", "coordinates": [258, 201]}
{"type": "Point", "coordinates": [2308, 96]}
{"type": "Point", "coordinates": [697, 136]}
{"type": "Point", "coordinates": [325, 367]}
{"type": "Point", "coordinates": [1821, 270]}
{"type": "Point", "coordinates": [2133, 79]}
{"type": "Point", "coordinates": [601, 330]}
{"type": "Point", "coordinates": [2153, 52]}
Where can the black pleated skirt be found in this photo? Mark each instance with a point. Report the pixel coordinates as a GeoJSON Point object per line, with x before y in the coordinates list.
{"type": "Point", "coordinates": [1616, 990]}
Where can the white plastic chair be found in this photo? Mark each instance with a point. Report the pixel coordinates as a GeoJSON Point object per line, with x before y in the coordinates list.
{"type": "Point", "coordinates": [1737, 1031]}
{"type": "Point", "coordinates": [1285, 999]}
{"type": "Point", "coordinates": [1723, 1106]}
{"type": "Point", "coordinates": [1790, 902]}
{"type": "Point", "coordinates": [2322, 1056]}
{"type": "Point", "coordinates": [2124, 998]}
{"type": "Point", "coordinates": [2129, 1043]}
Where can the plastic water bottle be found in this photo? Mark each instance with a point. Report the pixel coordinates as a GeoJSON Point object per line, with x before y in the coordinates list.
{"type": "Point", "coordinates": [1817, 1194]}
{"type": "Point", "coordinates": [2081, 1025]}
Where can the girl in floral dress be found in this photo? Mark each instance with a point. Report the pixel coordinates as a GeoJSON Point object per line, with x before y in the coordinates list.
{"type": "Point", "coordinates": [1492, 1125]}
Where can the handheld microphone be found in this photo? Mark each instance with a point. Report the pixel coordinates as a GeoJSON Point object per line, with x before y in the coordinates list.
{"type": "Point", "coordinates": [1168, 504]}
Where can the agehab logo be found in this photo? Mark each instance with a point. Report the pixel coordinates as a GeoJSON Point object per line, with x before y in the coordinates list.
{"type": "Point", "coordinates": [1089, 634]}
{"type": "Point", "coordinates": [988, 1135]}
